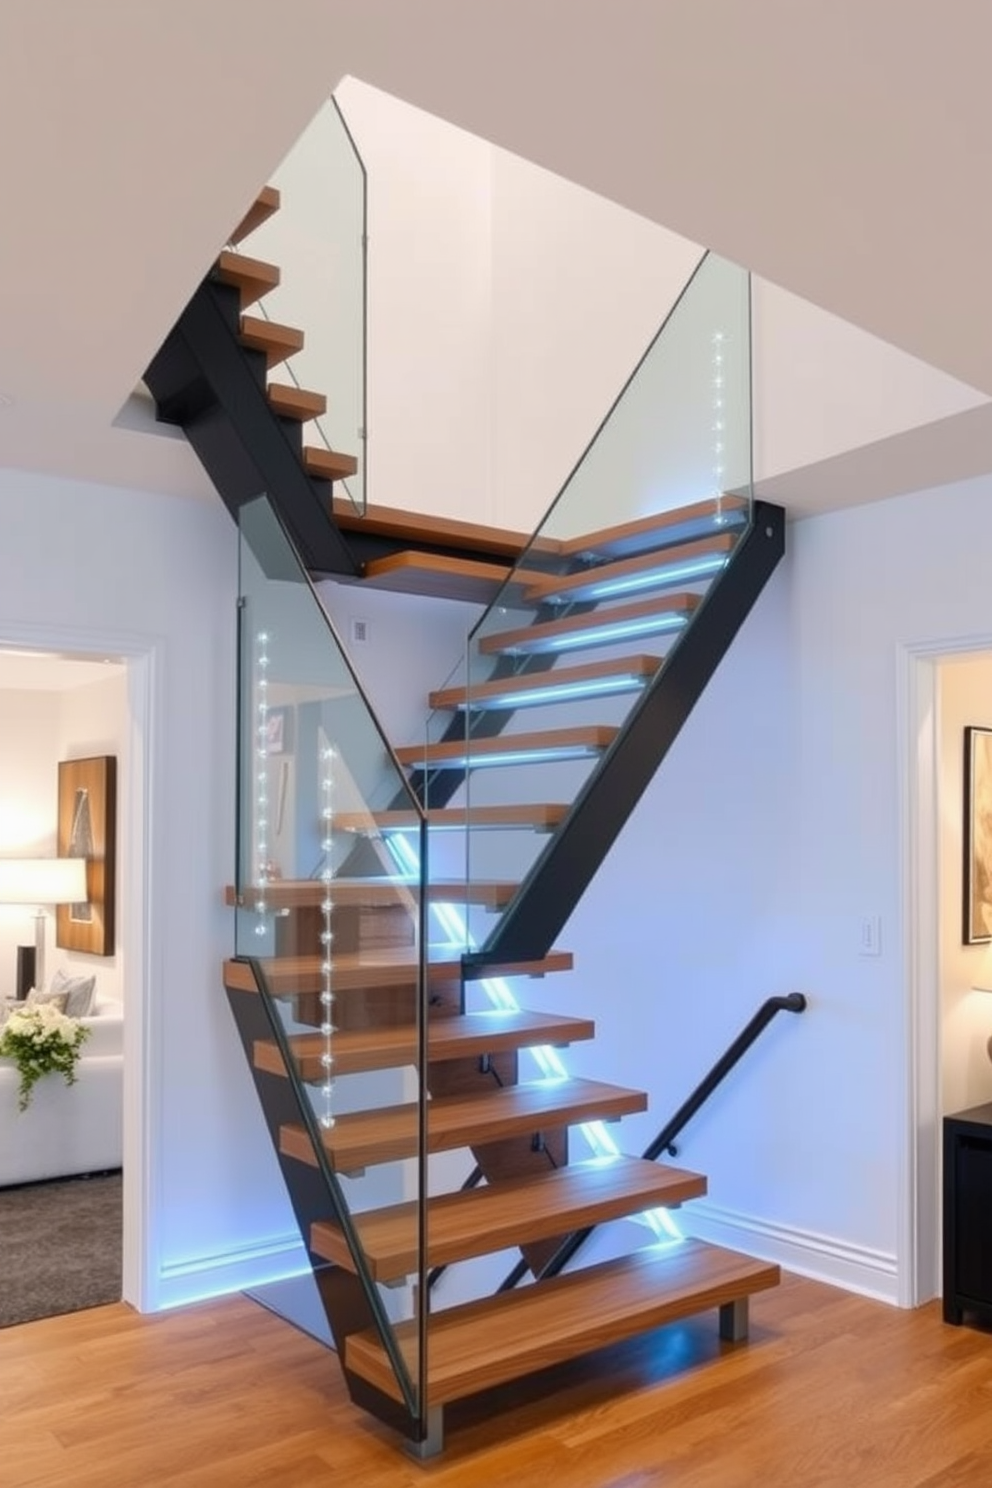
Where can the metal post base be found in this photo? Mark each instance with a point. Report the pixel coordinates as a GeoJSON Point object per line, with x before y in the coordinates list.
{"type": "Point", "coordinates": [734, 1321]}
{"type": "Point", "coordinates": [433, 1443]}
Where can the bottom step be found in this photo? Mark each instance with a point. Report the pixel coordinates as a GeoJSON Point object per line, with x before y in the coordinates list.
{"type": "Point", "coordinates": [485, 1343]}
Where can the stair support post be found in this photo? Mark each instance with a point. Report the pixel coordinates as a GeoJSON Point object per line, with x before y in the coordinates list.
{"type": "Point", "coordinates": [734, 1321]}
{"type": "Point", "coordinates": [432, 1444]}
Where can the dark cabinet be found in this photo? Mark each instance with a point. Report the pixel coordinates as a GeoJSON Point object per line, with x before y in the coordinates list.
{"type": "Point", "coordinates": [968, 1214]}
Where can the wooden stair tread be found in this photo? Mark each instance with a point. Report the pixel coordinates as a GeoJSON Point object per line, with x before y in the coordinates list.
{"type": "Point", "coordinates": [627, 538]}
{"type": "Point", "coordinates": [277, 341]}
{"type": "Point", "coordinates": [484, 1343]}
{"type": "Point", "coordinates": [533, 638]}
{"type": "Point", "coordinates": [262, 208]}
{"type": "Point", "coordinates": [291, 893]}
{"type": "Point", "coordinates": [479, 1221]}
{"type": "Point", "coordinates": [439, 575]}
{"type": "Point", "coordinates": [540, 817]}
{"type": "Point", "coordinates": [252, 276]}
{"type": "Point", "coordinates": [371, 969]}
{"type": "Point", "coordinates": [437, 532]}
{"type": "Point", "coordinates": [640, 668]}
{"type": "Point", "coordinates": [363, 1138]}
{"type": "Point", "coordinates": [292, 402]}
{"type": "Point", "coordinates": [589, 737]}
{"type": "Point", "coordinates": [328, 464]}
{"type": "Point", "coordinates": [393, 1046]}
{"type": "Point", "coordinates": [579, 586]}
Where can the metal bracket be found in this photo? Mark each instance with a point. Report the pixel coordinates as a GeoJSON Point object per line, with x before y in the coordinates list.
{"type": "Point", "coordinates": [734, 1321]}
{"type": "Point", "coordinates": [433, 1443]}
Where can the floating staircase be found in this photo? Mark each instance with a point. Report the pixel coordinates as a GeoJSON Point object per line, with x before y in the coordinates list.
{"type": "Point", "coordinates": [380, 1047]}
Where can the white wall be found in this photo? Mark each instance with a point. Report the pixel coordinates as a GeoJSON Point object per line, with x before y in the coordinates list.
{"type": "Point", "coordinates": [115, 570]}
{"type": "Point", "coordinates": [772, 828]}
{"type": "Point", "coordinates": [823, 386]}
{"type": "Point", "coordinates": [508, 306]}
{"type": "Point", "coordinates": [42, 727]}
{"type": "Point", "coordinates": [429, 331]}
{"type": "Point", "coordinates": [28, 805]}
{"type": "Point", "coordinates": [965, 698]}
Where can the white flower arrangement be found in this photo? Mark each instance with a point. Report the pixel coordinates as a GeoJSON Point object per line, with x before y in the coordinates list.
{"type": "Point", "coordinates": [41, 1041]}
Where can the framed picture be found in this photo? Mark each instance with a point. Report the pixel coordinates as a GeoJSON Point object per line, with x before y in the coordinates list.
{"type": "Point", "coordinates": [279, 731]}
{"type": "Point", "coordinates": [88, 829]}
{"type": "Point", "coordinates": [977, 836]}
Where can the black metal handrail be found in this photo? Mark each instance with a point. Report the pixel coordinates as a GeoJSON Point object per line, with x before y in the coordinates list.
{"type": "Point", "coordinates": [793, 1002]}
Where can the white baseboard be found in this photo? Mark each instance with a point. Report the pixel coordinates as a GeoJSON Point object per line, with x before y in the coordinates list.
{"type": "Point", "coordinates": [856, 1268]}
{"type": "Point", "coordinates": [201, 1277]}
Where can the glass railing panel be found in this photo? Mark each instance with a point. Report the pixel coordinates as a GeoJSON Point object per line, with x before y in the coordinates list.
{"type": "Point", "coordinates": [645, 525]}
{"type": "Point", "coordinates": [332, 916]}
{"type": "Point", "coordinates": [318, 238]}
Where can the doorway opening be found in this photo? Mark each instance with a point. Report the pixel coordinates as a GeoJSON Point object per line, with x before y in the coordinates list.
{"type": "Point", "coordinates": [66, 703]}
{"type": "Point", "coordinates": [948, 690]}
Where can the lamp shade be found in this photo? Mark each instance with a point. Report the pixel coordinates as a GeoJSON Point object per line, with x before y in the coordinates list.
{"type": "Point", "coordinates": [42, 880]}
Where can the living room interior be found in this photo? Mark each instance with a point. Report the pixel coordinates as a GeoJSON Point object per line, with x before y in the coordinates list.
{"type": "Point", "coordinates": [59, 708]}
{"type": "Point", "coordinates": [814, 785]}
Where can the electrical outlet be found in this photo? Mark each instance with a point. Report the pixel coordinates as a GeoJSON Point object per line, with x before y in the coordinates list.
{"type": "Point", "coordinates": [360, 632]}
{"type": "Point", "coordinates": [870, 935]}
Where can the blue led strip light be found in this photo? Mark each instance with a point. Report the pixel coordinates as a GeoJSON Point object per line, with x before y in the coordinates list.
{"type": "Point", "coordinates": [547, 1059]}
{"type": "Point", "coordinates": [594, 635]}
{"type": "Point", "coordinates": [562, 692]}
{"type": "Point", "coordinates": [699, 568]}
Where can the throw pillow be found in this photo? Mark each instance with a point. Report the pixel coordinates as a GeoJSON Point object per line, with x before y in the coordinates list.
{"type": "Point", "coordinates": [38, 996]}
{"type": "Point", "coordinates": [80, 993]}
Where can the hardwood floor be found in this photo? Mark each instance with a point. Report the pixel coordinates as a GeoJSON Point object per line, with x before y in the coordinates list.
{"type": "Point", "coordinates": [832, 1391]}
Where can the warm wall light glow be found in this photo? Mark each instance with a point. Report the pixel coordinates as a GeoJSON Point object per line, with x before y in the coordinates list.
{"type": "Point", "coordinates": [42, 880]}
{"type": "Point", "coordinates": [983, 975]}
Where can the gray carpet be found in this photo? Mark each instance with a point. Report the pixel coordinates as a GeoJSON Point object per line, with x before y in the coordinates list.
{"type": "Point", "coordinates": [60, 1247]}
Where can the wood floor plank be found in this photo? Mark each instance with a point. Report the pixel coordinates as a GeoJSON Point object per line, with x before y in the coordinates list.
{"type": "Point", "coordinates": [833, 1391]}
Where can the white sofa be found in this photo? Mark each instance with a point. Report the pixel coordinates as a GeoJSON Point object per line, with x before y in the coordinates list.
{"type": "Point", "coordinates": [67, 1129]}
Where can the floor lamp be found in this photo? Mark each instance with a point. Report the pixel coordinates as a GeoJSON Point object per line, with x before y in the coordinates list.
{"type": "Point", "coordinates": [42, 881]}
